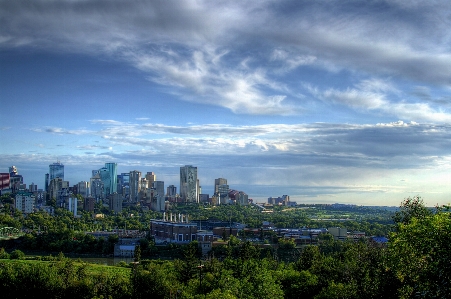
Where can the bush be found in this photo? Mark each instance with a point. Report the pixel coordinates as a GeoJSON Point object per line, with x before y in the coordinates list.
{"type": "Point", "coordinates": [3, 254]}
{"type": "Point", "coordinates": [17, 255]}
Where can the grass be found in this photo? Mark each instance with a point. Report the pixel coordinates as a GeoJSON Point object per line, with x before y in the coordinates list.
{"type": "Point", "coordinates": [92, 269]}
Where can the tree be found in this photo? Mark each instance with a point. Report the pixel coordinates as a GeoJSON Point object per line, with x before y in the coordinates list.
{"type": "Point", "coordinates": [3, 254]}
{"type": "Point", "coordinates": [420, 255]}
{"type": "Point", "coordinates": [137, 256]}
{"type": "Point", "coordinates": [411, 208]}
{"type": "Point", "coordinates": [17, 255]}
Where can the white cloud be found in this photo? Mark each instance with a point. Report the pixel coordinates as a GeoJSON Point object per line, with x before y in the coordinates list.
{"type": "Point", "coordinates": [223, 54]}
{"type": "Point", "coordinates": [381, 97]}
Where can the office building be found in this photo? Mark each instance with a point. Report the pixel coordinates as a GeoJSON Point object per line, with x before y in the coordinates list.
{"type": "Point", "coordinates": [115, 202]}
{"type": "Point", "coordinates": [104, 175]}
{"type": "Point", "coordinates": [171, 191]}
{"type": "Point", "coordinates": [189, 184]}
{"type": "Point", "coordinates": [4, 180]}
{"type": "Point", "coordinates": [97, 187]}
{"type": "Point", "coordinates": [89, 204]}
{"type": "Point", "coordinates": [123, 184]}
{"type": "Point", "coordinates": [150, 177]}
{"type": "Point", "coordinates": [135, 185]}
{"type": "Point", "coordinates": [284, 200]}
{"type": "Point", "coordinates": [15, 180]}
{"type": "Point", "coordinates": [83, 189]}
{"type": "Point", "coordinates": [158, 200]}
{"type": "Point", "coordinates": [72, 205]}
{"type": "Point", "coordinates": [218, 182]}
{"type": "Point", "coordinates": [13, 171]}
{"type": "Point", "coordinates": [223, 193]}
{"type": "Point", "coordinates": [112, 170]}
{"type": "Point", "coordinates": [25, 202]}
{"type": "Point", "coordinates": [56, 170]}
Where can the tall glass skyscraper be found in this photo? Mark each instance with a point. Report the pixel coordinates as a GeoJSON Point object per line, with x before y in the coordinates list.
{"type": "Point", "coordinates": [135, 185]}
{"type": "Point", "coordinates": [189, 185]}
{"type": "Point", "coordinates": [112, 169]}
{"type": "Point", "coordinates": [56, 170]}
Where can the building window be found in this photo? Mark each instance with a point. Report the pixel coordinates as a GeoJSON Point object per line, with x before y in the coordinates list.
{"type": "Point", "coordinates": [180, 237]}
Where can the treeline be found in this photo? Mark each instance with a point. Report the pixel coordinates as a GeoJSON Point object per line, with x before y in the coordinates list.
{"type": "Point", "coordinates": [415, 264]}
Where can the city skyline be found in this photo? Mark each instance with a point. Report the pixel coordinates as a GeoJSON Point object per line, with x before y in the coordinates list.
{"type": "Point", "coordinates": [344, 101]}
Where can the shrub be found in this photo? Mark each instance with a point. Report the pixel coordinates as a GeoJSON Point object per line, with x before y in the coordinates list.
{"type": "Point", "coordinates": [17, 255]}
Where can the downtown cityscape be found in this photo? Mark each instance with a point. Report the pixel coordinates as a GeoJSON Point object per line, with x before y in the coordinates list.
{"type": "Point", "coordinates": [225, 149]}
{"type": "Point", "coordinates": [106, 186]}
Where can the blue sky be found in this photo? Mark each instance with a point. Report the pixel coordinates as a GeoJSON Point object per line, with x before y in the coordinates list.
{"type": "Point", "coordinates": [326, 101]}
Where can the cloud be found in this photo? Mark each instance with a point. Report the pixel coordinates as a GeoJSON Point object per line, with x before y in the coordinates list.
{"type": "Point", "coordinates": [62, 131]}
{"type": "Point", "coordinates": [237, 55]}
{"type": "Point", "coordinates": [320, 143]}
{"type": "Point", "coordinates": [377, 96]}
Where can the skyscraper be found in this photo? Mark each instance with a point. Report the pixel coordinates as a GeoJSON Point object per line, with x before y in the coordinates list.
{"type": "Point", "coordinates": [123, 184]}
{"type": "Point", "coordinates": [105, 177]}
{"type": "Point", "coordinates": [189, 184]}
{"type": "Point", "coordinates": [135, 185]}
{"type": "Point", "coordinates": [219, 182]}
{"type": "Point", "coordinates": [56, 170]}
{"type": "Point", "coordinates": [112, 169]}
{"type": "Point", "coordinates": [150, 177]}
{"type": "Point", "coordinates": [171, 191]}
{"type": "Point", "coordinates": [158, 186]}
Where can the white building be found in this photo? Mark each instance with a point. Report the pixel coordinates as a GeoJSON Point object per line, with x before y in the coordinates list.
{"type": "Point", "coordinates": [25, 202]}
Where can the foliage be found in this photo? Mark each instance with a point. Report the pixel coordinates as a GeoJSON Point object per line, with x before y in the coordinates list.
{"type": "Point", "coordinates": [416, 262]}
{"type": "Point", "coordinates": [3, 253]}
{"type": "Point", "coordinates": [411, 208]}
{"type": "Point", "coordinates": [17, 255]}
{"type": "Point", "coordinates": [420, 256]}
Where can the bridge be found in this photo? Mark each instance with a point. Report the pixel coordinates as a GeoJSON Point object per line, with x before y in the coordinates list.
{"type": "Point", "coordinates": [7, 233]}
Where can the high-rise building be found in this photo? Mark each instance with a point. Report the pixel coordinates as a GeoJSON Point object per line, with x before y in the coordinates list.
{"type": "Point", "coordinates": [56, 170]}
{"type": "Point", "coordinates": [4, 180]}
{"type": "Point", "coordinates": [242, 198]}
{"type": "Point", "coordinates": [105, 177]}
{"type": "Point", "coordinates": [112, 170]}
{"type": "Point", "coordinates": [158, 186]}
{"type": "Point", "coordinates": [89, 203]}
{"type": "Point", "coordinates": [123, 184]}
{"type": "Point", "coordinates": [171, 191]}
{"type": "Point", "coordinates": [135, 185]}
{"type": "Point", "coordinates": [59, 190]}
{"type": "Point", "coordinates": [13, 171]}
{"type": "Point", "coordinates": [189, 184]}
{"type": "Point", "coordinates": [150, 177]}
{"type": "Point", "coordinates": [25, 202]}
{"type": "Point", "coordinates": [72, 204]}
{"type": "Point", "coordinates": [47, 182]}
{"type": "Point", "coordinates": [96, 187]}
{"type": "Point", "coordinates": [115, 202]}
{"type": "Point", "coordinates": [218, 182]}
{"type": "Point", "coordinates": [223, 192]}
{"type": "Point", "coordinates": [83, 189]}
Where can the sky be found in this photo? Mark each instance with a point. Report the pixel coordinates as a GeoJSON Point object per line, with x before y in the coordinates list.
{"type": "Point", "coordinates": [325, 101]}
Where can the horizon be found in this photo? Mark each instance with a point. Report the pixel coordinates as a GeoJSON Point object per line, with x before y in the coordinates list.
{"type": "Point", "coordinates": [328, 102]}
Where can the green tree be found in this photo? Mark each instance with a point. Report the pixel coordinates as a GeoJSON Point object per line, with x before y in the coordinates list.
{"type": "Point", "coordinates": [3, 254]}
{"type": "Point", "coordinates": [411, 208]}
{"type": "Point", "coordinates": [17, 255]}
{"type": "Point", "coordinates": [420, 256]}
{"type": "Point", "coordinates": [137, 256]}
